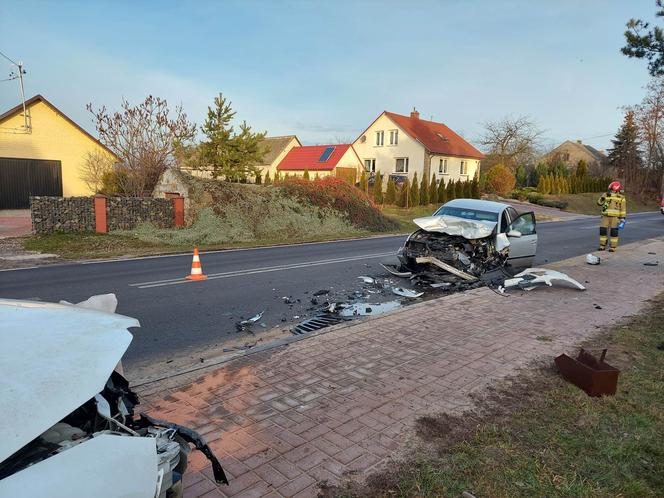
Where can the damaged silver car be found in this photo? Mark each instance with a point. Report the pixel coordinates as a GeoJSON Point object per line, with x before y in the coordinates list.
{"type": "Point", "coordinates": [466, 239]}
{"type": "Point", "coordinates": [68, 427]}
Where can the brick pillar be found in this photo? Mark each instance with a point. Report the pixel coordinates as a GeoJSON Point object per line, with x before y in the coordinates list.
{"type": "Point", "coordinates": [100, 214]}
{"type": "Point", "coordinates": [178, 211]}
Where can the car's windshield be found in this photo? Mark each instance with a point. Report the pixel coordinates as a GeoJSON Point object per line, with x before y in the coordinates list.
{"type": "Point", "coordinates": [466, 213]}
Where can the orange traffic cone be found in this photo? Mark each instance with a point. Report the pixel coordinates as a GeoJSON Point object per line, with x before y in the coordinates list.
{"type": "Point", "coordinates": [196, 270]}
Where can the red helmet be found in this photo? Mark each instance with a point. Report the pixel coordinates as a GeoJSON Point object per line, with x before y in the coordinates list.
{"type": "Point", "coordinates": [615, 186]}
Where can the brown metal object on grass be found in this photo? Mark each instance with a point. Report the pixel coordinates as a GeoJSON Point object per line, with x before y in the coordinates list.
{"type": "Point", "coordinates": [595, 377]}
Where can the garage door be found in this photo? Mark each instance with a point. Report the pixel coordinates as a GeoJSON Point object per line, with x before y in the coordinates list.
{"type": "Point", "coordinates": [21, 178]}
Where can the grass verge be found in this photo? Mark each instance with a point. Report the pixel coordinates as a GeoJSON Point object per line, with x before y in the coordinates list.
{"type": "Point", "coordinates": [542, 437]}
{"type": "Point", "coordinates": [404, 217]}
{"type": "Point", "coordinates": [587, 203]}
{"type": "Point", "coordinates": [95, 246]}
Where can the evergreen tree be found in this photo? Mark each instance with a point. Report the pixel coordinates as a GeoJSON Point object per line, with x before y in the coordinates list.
{"type": "Point", "coordinates": [581, 169]}
{"type": "Point", "coordinates": [306, 175]}
{"type": "Point", "coordinates": [277, 177]}
{"type": "Point", "coordinates": [451, 191]}
{"type": "Point", "coordinates": [378, 188]}
{"type": "Point", "coordinates": [258, 178]}
{"type": "Point", "coordinates": [625, 155]}
{"type": "Point", "coordinates": [405, 199]}
{"type": "Point", "coordinates": [231, 155]}
{"type": "Point", "coordinates": [391, 192]}
{"type": "Point", "coordinates": [424, 192]}
{"type": "Point", "coordinates": [475, 188]}
{"type": "Point", "coordinates": [442, 192]}
{"type": "Point", "coordinates": [268, 180]}
{"type": "Point", "coordinates": [467, 190]}
{"type": "Point", "coordinates": [541, 185]}
{"type": "Point", "coordinates": [414, 192]}
{"type": "Point", "coordinates": [364, 184]}
{"type": "Point", "coordinates": [433, 190]}
{"type": "Point", "coordinates": [521, 176]}
{"type": "Point", "coordinates": [458, 189]}
{"type": "Point", "coordinates": [316, 178]}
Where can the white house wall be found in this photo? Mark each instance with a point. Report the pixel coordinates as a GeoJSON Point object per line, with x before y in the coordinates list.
{"type": "Point", "coordinates": [386, 155]}
{"type": "Point", "coordinates": [454, 168]}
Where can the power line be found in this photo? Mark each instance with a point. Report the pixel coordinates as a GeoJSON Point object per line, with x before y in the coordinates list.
{"type": "Point", "coordinates": [10, 60]}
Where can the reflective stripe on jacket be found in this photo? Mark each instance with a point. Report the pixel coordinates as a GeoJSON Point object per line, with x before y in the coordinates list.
{"type": "Point", "coordinates": [613, 205]}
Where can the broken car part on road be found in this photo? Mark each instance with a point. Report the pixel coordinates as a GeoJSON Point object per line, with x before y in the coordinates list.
{"type": "Point", "coordinates": [66, 412]}
{"type": "Point", "coordinates": [539, 277]}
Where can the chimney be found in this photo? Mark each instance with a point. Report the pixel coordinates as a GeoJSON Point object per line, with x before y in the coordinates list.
{"type": "Point", "coordinates": [578, 142]}
{"type": "Point", "coordinates": [414, 114]}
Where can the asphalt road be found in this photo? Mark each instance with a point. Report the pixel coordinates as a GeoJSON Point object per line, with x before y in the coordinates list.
{"type": "Point", "coordinates": [178, 315]}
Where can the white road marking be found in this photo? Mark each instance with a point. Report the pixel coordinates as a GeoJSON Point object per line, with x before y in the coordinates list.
{"type": "Point", "coordinates": [267, 269]}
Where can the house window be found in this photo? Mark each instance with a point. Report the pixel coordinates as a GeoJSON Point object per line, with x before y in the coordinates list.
{"type": "Point", "coordinates": [402, 165]}
{"type": "Point", "coordinates": [394, 137]}
{"type": "Point", "coordinates": [380, 137]}
{"type": "Point", "coordinates": [442, 166]}
{"type": "Point", "coordinates": [566, 156]}
{"type": "Point", "coordinates": [370, 165]}
{"type": "Point", "coordinates": [463, 170]}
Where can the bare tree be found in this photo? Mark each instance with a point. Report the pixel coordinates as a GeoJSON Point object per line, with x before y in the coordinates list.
{"type": "Point", "coordinates": [144, 137]}
{"type": "Point", "coordinates": [95, 166]}
{"type": "Point", "coordinates": [649, 116]}
{"type": "Point", "coordinates": [511, 141]}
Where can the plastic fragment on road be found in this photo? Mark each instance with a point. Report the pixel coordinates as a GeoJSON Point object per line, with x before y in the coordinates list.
{"type": "Point", "coordinates": [394, 271]}
{"type": "Point", "coordinates": [591, 259]}
{"type": "Point", "coordinates": [245, 325]}
{"type": "Point", "coordinates": [651, 263]}
{"type": "Point", "coordinates": [539, 277]}
{"type": "Point", "coordinates": [365, 309]}
{"type": "Point", "coordinates": [100, 302]}
{"type": "Point", "coordinates": [409, 293]}
{"type": "Point", "coordinates": [367, 280]}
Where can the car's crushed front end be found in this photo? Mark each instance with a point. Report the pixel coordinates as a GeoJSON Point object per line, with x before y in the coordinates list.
{"type": "Point", "coordinates": [449, 249]}
{"type": "Point", "coordinates": [68, 424]}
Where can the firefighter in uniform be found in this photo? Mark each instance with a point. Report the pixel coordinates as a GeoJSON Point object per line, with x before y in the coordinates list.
{"type": "Point", "coordinates": [614, 210]}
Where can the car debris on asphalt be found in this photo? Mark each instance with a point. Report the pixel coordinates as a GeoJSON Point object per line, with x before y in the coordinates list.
{"type": "Point", "coordinates": [447, 254]}
{"type": "Point", "coordinates": [539, 277]}
{"type": "Point", "coordinates": [245, 325]}
{"type": "Point", "coordinates": [409, 293]}
{"type": "Point", "coordinates": [591, 259]}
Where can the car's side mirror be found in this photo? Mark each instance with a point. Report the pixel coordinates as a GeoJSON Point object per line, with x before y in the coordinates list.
{"type": "Point", "coordinates": [514, 233]}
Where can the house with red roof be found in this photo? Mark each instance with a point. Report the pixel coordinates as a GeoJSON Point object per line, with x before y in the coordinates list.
{"type": "Point", "coordinates": [399, 146]}
{"type": "Point", "coordinates": [337, 159]}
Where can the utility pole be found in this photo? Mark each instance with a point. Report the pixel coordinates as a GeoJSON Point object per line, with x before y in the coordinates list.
{"type": "Point", "coordinates": [20, 78]}
{"type": "Point", "coordinates": [21, 72]}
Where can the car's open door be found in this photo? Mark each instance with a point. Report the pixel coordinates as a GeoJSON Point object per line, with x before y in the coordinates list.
{"type": "Point", "coordinates": [522, 234]}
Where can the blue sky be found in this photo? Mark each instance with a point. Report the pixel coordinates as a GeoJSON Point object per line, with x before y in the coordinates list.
{"type": "Point", "coordinates": [325, 69]}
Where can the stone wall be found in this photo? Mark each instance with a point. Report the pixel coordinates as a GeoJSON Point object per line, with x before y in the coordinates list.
{"type": "Point", "coordinates": [62, 214]}
{"type": "Point", "coordinates": [77, 214]}
{"type": "Point", "coordinates": [125, 213]}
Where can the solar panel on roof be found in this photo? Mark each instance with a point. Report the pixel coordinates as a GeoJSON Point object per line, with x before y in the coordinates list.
{"type": "Point", "coordinates": [326, 154]}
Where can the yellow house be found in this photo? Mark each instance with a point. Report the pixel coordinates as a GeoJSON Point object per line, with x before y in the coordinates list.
{"type": "Point", "coordinates": [42, 153]}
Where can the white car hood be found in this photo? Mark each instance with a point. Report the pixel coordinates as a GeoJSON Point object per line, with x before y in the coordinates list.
{"type": "Point", "coordinates": [451, 225]}
{"type": "Point", "coordinates": [54, 358]}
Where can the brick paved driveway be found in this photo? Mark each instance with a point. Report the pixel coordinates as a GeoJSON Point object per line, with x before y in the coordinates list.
{"type": "Point", "coordinates": [15, 222]}
{"type": "Point", "coordinates": [339, 404]}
